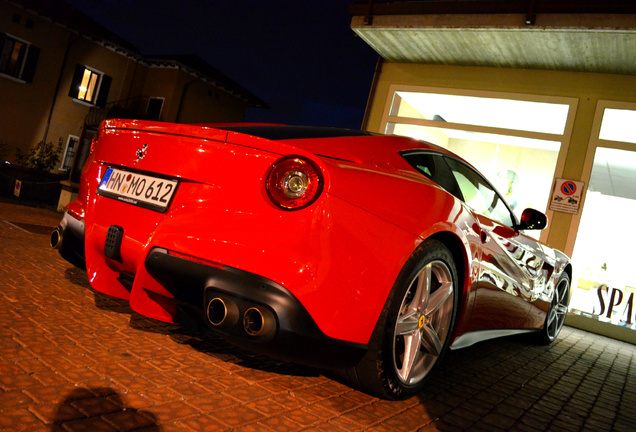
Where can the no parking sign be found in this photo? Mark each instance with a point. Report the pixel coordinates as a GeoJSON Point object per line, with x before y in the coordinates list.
{"type": "Point", "coordinates": [568, 188]}
{"type": "Point", "coordinates": [566, 196]}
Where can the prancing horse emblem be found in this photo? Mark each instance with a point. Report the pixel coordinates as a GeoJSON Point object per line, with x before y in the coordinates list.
{"type": "Point", "coordinates": [141, 153]}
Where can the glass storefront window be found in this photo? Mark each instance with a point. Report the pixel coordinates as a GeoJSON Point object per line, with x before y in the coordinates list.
{"type": "Point", "coordinates": [618, 125]}
{"type": "Point", "coordinates": [604, 282]}
{"type": "Point", "coordinates": [521, 169]}
{"type": "Point", "coordinates": [515, 143]}
{"type": "Point", "coordinates": [518, 144]}
{"type": "Point", "coordinates": [520, 115]}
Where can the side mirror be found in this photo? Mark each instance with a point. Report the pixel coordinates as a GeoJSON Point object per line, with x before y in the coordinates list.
{"type": "Point", "coordinates": [533, 220]}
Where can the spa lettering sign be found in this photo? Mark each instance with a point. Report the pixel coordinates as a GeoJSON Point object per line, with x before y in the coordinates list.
{"type": "Point", "coordinates": [615, 299]}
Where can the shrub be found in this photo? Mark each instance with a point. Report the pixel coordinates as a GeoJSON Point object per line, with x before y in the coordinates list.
{"type": "Point", "coordinates": [42, 157]}
{"type": "Point", "coordinates": [4, 151]}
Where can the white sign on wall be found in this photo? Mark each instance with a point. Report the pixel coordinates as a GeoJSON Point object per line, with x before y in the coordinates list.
{"type": "Point", "coordinates": [566, 196]}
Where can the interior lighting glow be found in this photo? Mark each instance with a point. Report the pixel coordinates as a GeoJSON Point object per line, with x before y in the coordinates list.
{"type": "Point", "coordinates": [491, 112]}
{"type": "Point", "coordinates": [618, 125]}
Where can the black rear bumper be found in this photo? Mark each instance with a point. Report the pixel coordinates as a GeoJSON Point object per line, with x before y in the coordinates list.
{"type": "Point", "coordinates": [295, 338]}
{"type": "Point", "coordinates": [70, 240]}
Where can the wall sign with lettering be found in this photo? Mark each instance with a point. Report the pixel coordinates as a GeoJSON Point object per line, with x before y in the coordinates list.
{"type": "Point", "coordinates": [616, 299]}
{"type": "Point", "coordinates": [566, 196]}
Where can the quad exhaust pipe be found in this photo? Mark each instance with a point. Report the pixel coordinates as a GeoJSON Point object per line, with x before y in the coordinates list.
{"type": "Point", "coordinates": [257, 321]}
{"type": "Point", "coordinates": [222, 313]}
{"type": "Point", "coordinates": [56, 238]}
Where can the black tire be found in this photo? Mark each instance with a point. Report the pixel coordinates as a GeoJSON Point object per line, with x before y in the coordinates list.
{"type": "Point", "coordinates": [423, 324]}
{"type": "Point", "coordinates": [556, 314]}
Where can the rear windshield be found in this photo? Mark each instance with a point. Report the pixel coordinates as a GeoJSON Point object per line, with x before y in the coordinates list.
{"type": "Point", "coordinates": [277, 133]}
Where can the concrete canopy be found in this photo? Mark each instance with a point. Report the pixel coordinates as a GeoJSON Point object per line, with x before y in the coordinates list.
{"type": "Point", "coordinates": [587, 42]}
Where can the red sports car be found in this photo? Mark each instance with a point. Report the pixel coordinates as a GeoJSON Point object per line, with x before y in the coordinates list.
{"type": "Point", "coordinates": [364, 253]}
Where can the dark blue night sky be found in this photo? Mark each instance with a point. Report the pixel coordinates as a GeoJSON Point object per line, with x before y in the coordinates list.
{"type": "Point", "coordinates": [299, 56]}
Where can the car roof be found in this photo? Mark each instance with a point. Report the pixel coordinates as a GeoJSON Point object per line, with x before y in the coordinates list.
{"type": "Point", "coordinates": [338, 143]}
{"type": "Point", "coordinates": [285, 132]}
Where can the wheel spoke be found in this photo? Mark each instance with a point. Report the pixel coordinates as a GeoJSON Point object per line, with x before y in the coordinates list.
{"type": "Point", "coordinates": [407, 324]}
{"type": "Point", "coordinates": [431, 341]}
{"type": "Point", "coordinates": [411, 355]}
{"type": "Point", "coordinates": [559, 308]}
{"type": "Point", "coordinates": [439, 297]}
{"type": "Point", "coordinates": [562, 295]}
{"type": "Point", "coordinates": [551, 317]}
{"type": "Point", "coordinates": [423, 288]}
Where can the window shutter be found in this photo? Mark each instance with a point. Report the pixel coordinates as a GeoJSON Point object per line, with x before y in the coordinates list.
{"type": "Point", "coordinates": [30, 63]}
{"type": "Point", "coordinates": [3, 56]}
{"type": "Point", "coordinates": [104, 88]}
{"type": "Point", "coordinates": [77, 80]}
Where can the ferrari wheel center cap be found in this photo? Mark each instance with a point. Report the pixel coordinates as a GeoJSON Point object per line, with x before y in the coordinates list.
{"type": "Point", "coordinates": [421, 321]}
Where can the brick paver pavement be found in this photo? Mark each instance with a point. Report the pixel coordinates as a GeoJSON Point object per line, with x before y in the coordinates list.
{"type": "Point", "coordinates": [72, 359]}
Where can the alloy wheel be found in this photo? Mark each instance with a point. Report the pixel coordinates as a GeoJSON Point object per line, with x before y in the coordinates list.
{"type": "Point", "coordinates": [423, 322]}
{"type": "Point", "coordinates": [558, 309]}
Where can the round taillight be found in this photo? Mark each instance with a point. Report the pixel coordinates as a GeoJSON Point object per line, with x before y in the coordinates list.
{"type": "Point", "coordinates": [294, 183]}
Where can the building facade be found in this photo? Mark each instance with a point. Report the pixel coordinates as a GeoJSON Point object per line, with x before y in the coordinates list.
{"type": "Point", "coordinates": [539, 95]}
{"type": "Point", "coordinates": [62, 73]}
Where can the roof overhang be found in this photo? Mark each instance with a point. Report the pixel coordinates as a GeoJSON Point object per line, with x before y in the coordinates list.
{"type": "Point", "coordinates": [587, 42]}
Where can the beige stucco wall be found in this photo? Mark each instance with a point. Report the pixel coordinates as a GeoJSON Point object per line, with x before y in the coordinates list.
{"type": "Point", "coordinates": [191, 100]}
{"type": "Point", "coordinates": [587, 88]}
{"type": "Point", "coordinates": [24, 107]}
{"type": "Point", "coordinates": [68, 116]}
{"type": "Point", "coordinates": [204, 103]}
{"type": "Point", "coordinates": [161, 82]}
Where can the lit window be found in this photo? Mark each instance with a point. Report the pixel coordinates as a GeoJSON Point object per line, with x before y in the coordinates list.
{"type": "Point", "coordinates": [522, 115]}
{"type": "Point", "coordinates": [618, 125]}
{"type": "Point", "coordinates": [514, 140]}
{"type": "Point", "coordinates": [17, 58]}
{"type": "Point", "coordinates": [90, 86]}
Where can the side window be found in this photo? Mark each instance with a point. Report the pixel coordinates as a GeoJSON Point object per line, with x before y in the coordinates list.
{"type": "Point", "coordinates": [17, 58]}
{"type": "Point", "coordinates": [479, 195]}
{"type": "Point", "coordinates": [90, 86]}
{"type": "Point", "coordinates": [433, 166]}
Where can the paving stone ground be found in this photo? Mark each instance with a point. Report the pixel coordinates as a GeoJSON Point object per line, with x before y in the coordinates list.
{"type": "Point", "coordinates": [72, 359]}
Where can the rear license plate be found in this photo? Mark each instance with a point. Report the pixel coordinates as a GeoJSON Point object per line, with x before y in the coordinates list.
{"type": "Point", "coordinates": [137, 189]}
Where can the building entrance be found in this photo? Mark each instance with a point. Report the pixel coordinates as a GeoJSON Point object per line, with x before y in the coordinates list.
{"type": "Point", "coordinates": [604, 282]}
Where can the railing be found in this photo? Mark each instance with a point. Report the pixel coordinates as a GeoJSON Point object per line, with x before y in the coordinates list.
{"type": "Point", "coordinates": [133, 108]}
